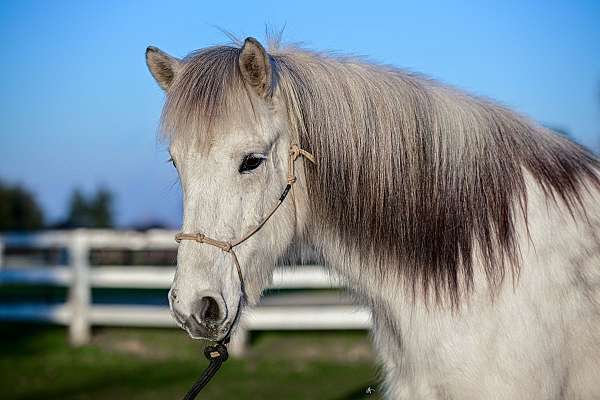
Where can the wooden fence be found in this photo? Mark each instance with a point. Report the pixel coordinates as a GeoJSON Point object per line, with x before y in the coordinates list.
{"type": "Point", "coordinates": [307, 309]}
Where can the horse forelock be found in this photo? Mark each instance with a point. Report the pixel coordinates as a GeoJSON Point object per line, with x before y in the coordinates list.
{"type": "Point", "coordinates": [413, 173]}
{"type": "Point", "coordinates": [209, 89]}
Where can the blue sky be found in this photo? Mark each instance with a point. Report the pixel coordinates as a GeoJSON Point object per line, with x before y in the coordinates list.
{"type": "Point", "coordinates": [79, 109]}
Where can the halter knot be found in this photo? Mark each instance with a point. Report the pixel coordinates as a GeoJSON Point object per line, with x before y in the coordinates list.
{"type": "Point", "coordinates": [226, 247]}
{"type": "Point", "coordinates": [294, 152]}
{"type": "Point", "coordinates": [217, 351]}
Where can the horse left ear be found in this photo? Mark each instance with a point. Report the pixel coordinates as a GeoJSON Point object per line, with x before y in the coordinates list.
{"type": "Point", "coordinates": [162, 66]}
{"type": "Point", "coordinates": [255, 66]}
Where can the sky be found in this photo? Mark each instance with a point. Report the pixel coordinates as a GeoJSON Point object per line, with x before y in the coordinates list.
{"type": "Point", "coordinates": [78, 107]}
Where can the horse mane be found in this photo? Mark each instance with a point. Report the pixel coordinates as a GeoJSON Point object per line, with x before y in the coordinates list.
{"type": "Point", "coordinates": [433, 176]}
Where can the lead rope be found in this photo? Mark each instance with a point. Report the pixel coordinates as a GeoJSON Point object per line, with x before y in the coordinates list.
{"type": "Point", "coordinates": [217, 353]}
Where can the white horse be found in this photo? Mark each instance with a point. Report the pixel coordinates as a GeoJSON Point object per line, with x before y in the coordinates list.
{"type": "Point", "coordinates": [471, 232]}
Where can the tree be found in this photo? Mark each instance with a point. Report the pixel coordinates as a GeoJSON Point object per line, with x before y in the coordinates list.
{"type": "Point", "coordinates": [101, 209]}
{"type": "Point", "coordinates": [19, 209]}
{"type": "Point", "coordinates": [78, 215]}
{"type": "Point", "coordinates": [90, 212]}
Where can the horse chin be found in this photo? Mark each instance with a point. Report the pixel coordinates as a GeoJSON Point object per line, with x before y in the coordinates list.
{"type": "Point", "coordinates": [195, 336]}
{"type": "Point", "coordinates": [209, 332]}
{"type": "Point", "coordinates": [212, 334]}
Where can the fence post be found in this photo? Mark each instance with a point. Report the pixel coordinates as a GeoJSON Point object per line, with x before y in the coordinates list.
{"type": "Point", "coordinates": [80, 291]}
{"type": "Point", "coordinates": [239, 341]}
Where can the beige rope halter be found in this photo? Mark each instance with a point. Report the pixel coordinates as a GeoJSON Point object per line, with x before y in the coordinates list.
{"type": "Point", "coordinates": [294, 154]}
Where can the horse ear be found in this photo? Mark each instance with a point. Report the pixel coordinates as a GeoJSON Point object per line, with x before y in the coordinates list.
{"type": "Point", "coordinates": [162, 66]}
{"type": "Point", "coordinates": [255, 67]}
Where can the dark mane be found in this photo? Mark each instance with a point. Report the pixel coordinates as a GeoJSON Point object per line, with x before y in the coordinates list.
{"type": "Point", "coordinates": [408, 168]}
{"type": "Point", "coordinates": [430, 175]}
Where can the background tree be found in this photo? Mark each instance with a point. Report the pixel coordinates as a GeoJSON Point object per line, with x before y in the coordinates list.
{"type": "Point", "coordinates": [101, 209]}
{"type": "Point", "coordinates": [19, 209]}
{"type": "Point", "coordinates": [78, 214]}
{"type": "Point", "coordinates": [95, 211]}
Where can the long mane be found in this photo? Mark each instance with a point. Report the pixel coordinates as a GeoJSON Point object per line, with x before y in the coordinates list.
{"type": "Point", "coordinates": [409, 168]}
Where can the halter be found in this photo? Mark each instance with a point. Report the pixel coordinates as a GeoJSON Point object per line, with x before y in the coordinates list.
{"type": "Point", "coordinates": [217, 354]}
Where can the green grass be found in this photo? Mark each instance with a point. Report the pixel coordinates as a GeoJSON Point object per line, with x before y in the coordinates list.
{"type": "Point", "coordinates": [37, 363]}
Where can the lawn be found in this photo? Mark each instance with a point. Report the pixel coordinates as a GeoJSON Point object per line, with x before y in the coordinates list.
{"type": "Point", "coordinates": [37, 363]}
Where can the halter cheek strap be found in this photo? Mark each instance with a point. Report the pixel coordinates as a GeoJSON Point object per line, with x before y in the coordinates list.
{"type": "Point", "coordinates": [217, 354]}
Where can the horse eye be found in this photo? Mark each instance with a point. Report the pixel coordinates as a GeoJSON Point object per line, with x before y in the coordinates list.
{"type": "Point", "coordinates": [250, 162]}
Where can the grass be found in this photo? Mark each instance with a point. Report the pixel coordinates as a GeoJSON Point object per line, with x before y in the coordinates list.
{"type": "Point", "coordinates": [37, 363]}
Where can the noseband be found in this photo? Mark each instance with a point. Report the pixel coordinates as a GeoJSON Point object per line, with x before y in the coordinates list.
{"type": "Point", "coordinates": [217, 354]}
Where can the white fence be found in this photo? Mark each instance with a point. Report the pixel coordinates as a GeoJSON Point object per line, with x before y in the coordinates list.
{"type": "Point", "coordinates": [307, 311]}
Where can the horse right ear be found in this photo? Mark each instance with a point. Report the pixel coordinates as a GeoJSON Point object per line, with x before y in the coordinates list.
{"type": "Point", "coordinates": [162, 66]}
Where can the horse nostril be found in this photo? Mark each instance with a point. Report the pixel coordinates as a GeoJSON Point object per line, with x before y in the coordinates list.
{"type": "Point", "coordinates": [208, 310]}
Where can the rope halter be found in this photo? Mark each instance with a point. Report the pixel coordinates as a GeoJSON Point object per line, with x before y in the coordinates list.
{"type": "Point", "coordinates": [294, 153]}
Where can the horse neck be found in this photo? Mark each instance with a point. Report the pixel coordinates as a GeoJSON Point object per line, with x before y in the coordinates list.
{"type": "Point", "coordinates": [356, 272]}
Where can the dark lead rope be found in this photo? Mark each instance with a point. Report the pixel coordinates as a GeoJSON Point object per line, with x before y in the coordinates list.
{"type": "Point", "coordinates": [216, 356]}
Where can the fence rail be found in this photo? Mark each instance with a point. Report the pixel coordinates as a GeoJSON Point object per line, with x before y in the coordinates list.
{"type": "Point", "coordinates": [80, 314]}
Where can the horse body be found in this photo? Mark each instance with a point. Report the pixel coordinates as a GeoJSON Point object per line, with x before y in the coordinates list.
{"type": "Point", "coordinates": [470, 231]}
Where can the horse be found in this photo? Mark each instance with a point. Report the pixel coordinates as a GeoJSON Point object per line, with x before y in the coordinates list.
{"type": "Point", "coordinates": [470, 231]}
